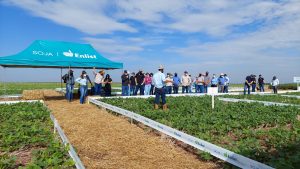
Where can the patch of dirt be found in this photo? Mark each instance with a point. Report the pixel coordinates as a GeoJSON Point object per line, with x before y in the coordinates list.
{"type": "Point", "coordinates": [103, 140]}
{"type": "Point", "coordinates": [24, 155]}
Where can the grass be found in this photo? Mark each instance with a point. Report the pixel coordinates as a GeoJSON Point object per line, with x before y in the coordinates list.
{"type": "Point", "coordinates": [18, 87]}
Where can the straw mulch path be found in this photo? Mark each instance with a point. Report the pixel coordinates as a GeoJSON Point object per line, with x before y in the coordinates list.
{"type": "Point", "coordinates": [104, 140]}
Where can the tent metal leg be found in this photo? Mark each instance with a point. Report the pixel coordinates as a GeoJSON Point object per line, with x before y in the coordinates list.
{"type": "Point", "coordinates": [60, 78]}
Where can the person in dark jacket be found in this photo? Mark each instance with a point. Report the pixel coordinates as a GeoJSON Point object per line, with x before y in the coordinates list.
{"type": "Point", "coordinates": [140, 82]}
{"type": "Point", "coordinates": [132, 84]}
{"type": "Point", "coordinates": [261, 83]}
{"type": "Point", "coordinates": [125, 83]}
{"type": "Point", "coordinates": [69, 80]}
{"type": "Point", "coordinates": [107, 85]}
{"type": "Point", "coordinates": [248, 83]}
{"type": "Point", "coordinates": [253, 79]}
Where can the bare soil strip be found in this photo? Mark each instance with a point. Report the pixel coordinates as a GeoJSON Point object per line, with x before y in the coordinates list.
{"type": "Point", "coordinates": [103, 140]}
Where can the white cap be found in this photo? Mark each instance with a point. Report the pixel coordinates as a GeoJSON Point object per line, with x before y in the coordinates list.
{"type": "Point", "coordinates": [160, 67]}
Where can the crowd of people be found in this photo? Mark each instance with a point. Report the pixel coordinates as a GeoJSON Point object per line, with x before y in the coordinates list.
{"type": "Point", "coordinates": [251, 84]}
{"type": "Point", "coordinates": [142, 83]}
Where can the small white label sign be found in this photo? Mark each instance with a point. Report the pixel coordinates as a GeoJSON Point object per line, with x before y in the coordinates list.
{"type": "Point", "coordinates": [296, 79]}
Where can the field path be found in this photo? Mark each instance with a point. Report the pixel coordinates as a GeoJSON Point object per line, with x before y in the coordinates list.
{"type": "Point", "coordinates": [106, 141]}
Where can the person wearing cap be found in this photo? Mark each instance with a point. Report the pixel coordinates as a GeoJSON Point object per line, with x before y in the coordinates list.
{"type": "Point", "coordinates": [125, 83]}
{"type": "Point", "coordinates": [253, 84]}
{"type": "Point", "coordinates": [275, 83]}
{"type": "Point", "coordinates": [148, 81]}
{"type": "Point", "coordinates": [214, 81]}
{"type": "Point", "coordinates": [99, 77]}
{"type": "Point", "coordinates": [261, 83]}
{"type": "Point", "coordinates": [159, 80]}
{"type": "Point", "coordinates": [69, 80]}
{"type": "Point", "coordinates": [185, 82]}
{"type": "Point", "coordinates": [132, 81]}
{"type": "Point", "coordinates": [221, 82]}
{"type": "Point", "coordinates": [83, 82]}
{"type": "Point", "coordinates": [206, 81]}
{"type": "Point", "coordinates": [176, 83]}
{"type": "Point", "coordinates": [247, 85]}
{"type": "Point", "coordinates": [140, 82]}
{"type": "Point", "coordinates": [226, 83]}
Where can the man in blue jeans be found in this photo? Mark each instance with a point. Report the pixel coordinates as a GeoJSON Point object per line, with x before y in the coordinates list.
{"type": "Point", "coordinates": [125, 83]}
{"type": "Point", "coordinates": [140, 82]}
{"type": "Point", "coordinates": [159, 79]}
{"type": "Point", "coordinates": [69, 80]}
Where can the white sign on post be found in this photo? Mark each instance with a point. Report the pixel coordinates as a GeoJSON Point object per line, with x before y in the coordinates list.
{"type": "Point", "coordinates": [297, 80]}
{"type": "Point", "coordinates": [212, 90]}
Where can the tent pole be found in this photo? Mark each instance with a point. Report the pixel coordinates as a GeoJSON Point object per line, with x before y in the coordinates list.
{"type": "Point", "coordinates": [61, 78]}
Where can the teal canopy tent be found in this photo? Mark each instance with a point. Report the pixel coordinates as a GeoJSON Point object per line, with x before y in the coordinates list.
{"type": "Point", "coordinates": [56, 54]}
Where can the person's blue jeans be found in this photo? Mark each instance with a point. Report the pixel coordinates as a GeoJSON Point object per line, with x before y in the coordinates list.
{"type": "Point", "coordinates": [141, 88]}
{"type": "Point", "coordinates": [190, 88]}
{"type": "Point", "coordinates": [253, 87]}
{"type": "Point", "coordinates": [275, 89]}
{"type": "Point", "coordinates": [147, 89]}
{"type": "Point", "coordinates": [132, 90]}
{"type": "Point", "coordinates": [125, 90]}
{"type": "Point", "coordinates": [175, 89]}
{"type": "Point", "coordinates": [69, 92]}
{"type": "Point", "coordinates": [160, 93]}
{"type": "Point", "coordinates": [246, 87]}
{"type": "Point", "coordinates": [168, 89]}
{"type": "Point", "coordinates": [98, 87]}
{"type": "Point", "coordinates": [185, 89]}
{"type": "Point", "coordinates": [201, 88]}
{"type": "Point", "coordinates": [197, 90]}
{"type": "Point", "coordinates": [225, 89]}
{"type": "Point", "coordinates": [262, 88]}
{"type": "Point", "coordinates": [205, 88]}
{"type": "Point", "coordinates": [83, 90]}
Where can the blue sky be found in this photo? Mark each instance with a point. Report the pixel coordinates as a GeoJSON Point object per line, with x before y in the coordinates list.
{"type": "Point", "coordinates": [234, 37]}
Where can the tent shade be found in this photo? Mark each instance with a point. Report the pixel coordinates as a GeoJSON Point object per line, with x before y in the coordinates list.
{"type": "Point", "coordinates": [55, 54]}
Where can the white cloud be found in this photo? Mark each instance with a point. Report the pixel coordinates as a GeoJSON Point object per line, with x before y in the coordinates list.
{"type": "Point", "coordinates": [86, 16]}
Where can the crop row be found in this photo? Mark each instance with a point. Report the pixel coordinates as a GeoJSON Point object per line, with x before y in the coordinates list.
{"type": "Point", "coordinates": [26, 129]}
{"type": "Point", "coordinates": [270, 98]}
{"type": "Point", "coordinates": [268, 134]}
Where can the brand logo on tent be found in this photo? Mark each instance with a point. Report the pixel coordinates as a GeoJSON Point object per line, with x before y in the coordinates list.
{"type": "Point", "coordinates": [77, 55]}
{"type": "Point", "coordinates": [41, 53]}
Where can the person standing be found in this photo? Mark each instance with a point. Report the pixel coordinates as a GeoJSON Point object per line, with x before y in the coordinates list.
{"type": "Point", "coordinates": [140, 82]}
{"type": "Point", "coordinates": [159, 79]}
{"type": "Point", "coordinates": [132, 84]}
{"type": "Point", "coordinates": [247, 85]}
{"type": "Point", "coordinates": [176, 82]}
{"type": "Point", "coordinates": [148, 82]}
{"type": "Point", "coordinates": [206, 81]}
{"type": "Point", "coordinates": [107, 85]}
{"type": "Point", "coordinates": [226, 84]}
{"type": "Point", "coordinates": [214, 81]}
{"type": "Point", "coordinates": [275, 83]}
{"type": "Point", "coordinates": [185, 81]}
{"type": "Point", "coordinates": [261, 83]}
{"type": "Point", "coordinates": [200, 83]}
{"type": "Point", "coordinates": [169, 83]}
{"type": "Point", "coordinates": [221, 83]}
{"type": "Point", "coordinates": [191, 84]}
{"type": "Point", "coordinates": [152, 86]}
{"type": "Point", "coordinates": [253, 85]}
{"type": "Point", "coordinates": [125, 83]}
{"type": "Point", "coordinates": [98, 81]}
{"type": "Point", "coordinates": [83, 82]}
{"type": "Point", "coordinates": [69, 80]}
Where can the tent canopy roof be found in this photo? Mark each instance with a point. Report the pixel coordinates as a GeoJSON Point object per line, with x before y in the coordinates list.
{"type": "Point", "coordinates": [56, 54]}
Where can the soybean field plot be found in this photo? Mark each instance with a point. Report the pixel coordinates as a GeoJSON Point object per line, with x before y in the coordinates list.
{"type": "Point", "coordinates": [268, 134]}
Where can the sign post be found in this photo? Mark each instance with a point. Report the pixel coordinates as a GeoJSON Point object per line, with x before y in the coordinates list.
{"type": "Point", "coordinates": [212, 91]}
{"type": "Point", "coordinates": [297, 80]}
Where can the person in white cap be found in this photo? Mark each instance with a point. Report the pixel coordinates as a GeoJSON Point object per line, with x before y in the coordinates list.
{"type": "Point", "coordinates": [159, 80]}
{"type": "Point", "coordinates": [221, 82]}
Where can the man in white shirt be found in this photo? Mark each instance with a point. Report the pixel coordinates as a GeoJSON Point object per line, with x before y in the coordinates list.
{"type": "Point", "coordinates": [98, 81]}
{"type": "Point", "coordinates": [159, 80]}
{"type": "Point", "coordinates": [185, 81]}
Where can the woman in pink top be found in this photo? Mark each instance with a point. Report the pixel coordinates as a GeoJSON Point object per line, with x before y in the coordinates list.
{"type": "Point", "coordinates": [148, 82]}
